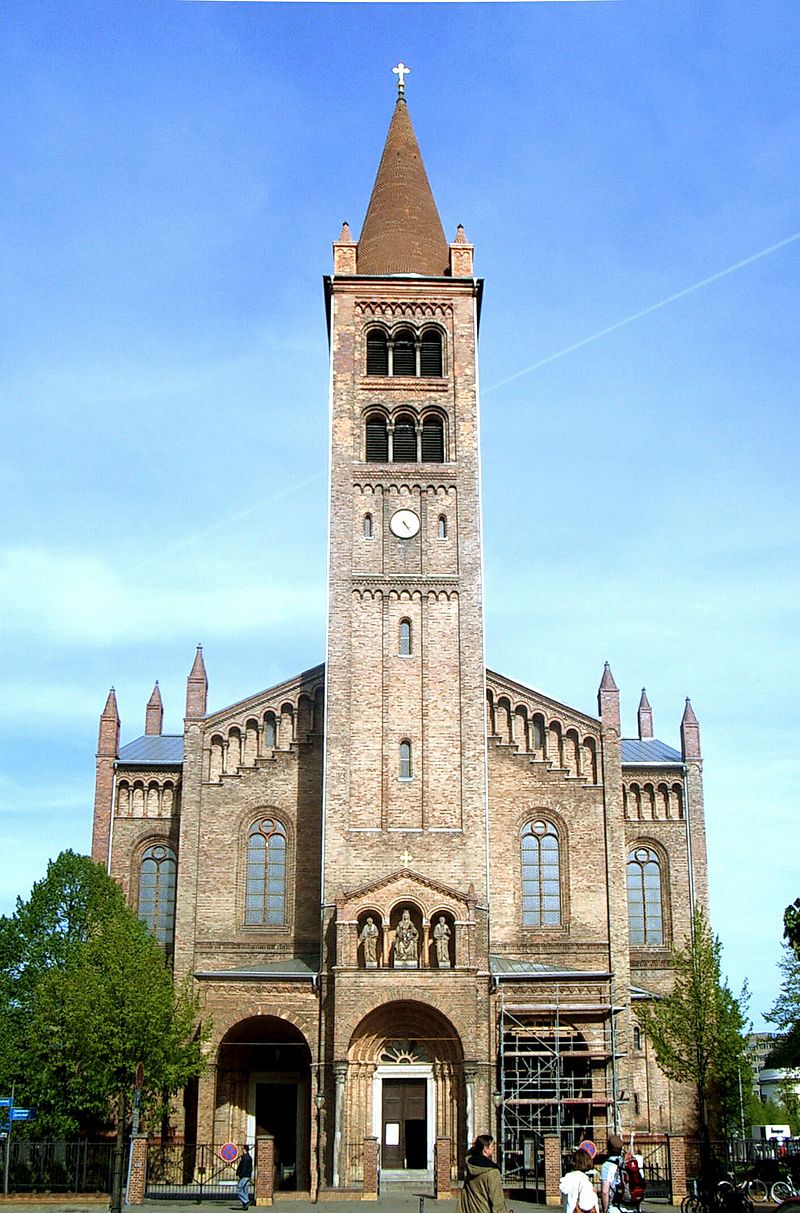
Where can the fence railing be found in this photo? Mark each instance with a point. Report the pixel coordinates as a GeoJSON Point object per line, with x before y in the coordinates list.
{"type": "Point", "coordinates": [189, 1172]}
{"type": "Point", "coordinates": [57, 1166]}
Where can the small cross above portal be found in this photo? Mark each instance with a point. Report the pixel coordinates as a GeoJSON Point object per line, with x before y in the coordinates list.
{"type": "Point", "coordinates": [406, 859]}
{"type": "Point", "coordinates": [401, 71]}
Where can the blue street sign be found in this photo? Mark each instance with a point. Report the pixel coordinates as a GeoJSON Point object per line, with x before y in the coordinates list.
{"type": "Point", "coordinates": [23, 1113]}
{"type": "Point", "coordinates": [6, 1102]}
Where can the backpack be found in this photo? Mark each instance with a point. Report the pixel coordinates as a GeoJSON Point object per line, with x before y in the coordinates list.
{"type": "Point", "coordinates": [632, 1182]}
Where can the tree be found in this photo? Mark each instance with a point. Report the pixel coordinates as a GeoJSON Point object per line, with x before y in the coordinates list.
{"type": "Point", "coordinates": [698, 1031]}
{"type": "Point", "coordinates": [89, 995]}
{"type": "Point", "coordinates": [785, 1014]}
{"type": "Point", "coordinates": [791, 925]}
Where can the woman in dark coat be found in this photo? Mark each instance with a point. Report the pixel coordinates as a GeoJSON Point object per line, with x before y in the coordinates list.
{"type": "Point", "coordinates": [483, 1187]}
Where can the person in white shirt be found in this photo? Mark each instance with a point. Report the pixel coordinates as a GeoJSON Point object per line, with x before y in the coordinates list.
{"type": "Point", "coordinates": [576, 1187]}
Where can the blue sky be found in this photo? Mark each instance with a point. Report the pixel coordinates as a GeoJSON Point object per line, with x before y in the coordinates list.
{"type": "Point", "coordinates": [174, 174]}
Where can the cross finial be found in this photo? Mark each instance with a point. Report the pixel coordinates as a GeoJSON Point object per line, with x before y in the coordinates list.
{"type": "Point", "coordinates": [406, 859]}
{"type": "Point", "coordinates": [401, 71]}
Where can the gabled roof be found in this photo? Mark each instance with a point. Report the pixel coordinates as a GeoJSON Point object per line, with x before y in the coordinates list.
{"type": "Point", "coordinates": [649, 752]}
{"type": "Point", "coordinates": [402, 232]}
{"type": "Point", "coordinates": [154, 750]}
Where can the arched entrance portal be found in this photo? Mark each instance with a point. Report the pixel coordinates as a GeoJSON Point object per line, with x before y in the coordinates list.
{"type": "Point", "coordinates": [404, 1086]}
{"type": "Point", "coordinates": [264, 1087]}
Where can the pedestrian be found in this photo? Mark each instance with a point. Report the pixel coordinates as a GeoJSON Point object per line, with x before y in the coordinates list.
{"type": "Point", "coordinates": [483, 1186]}
{"type": "Point", "coordinates": [244, 1170]}
{"type": "Point", "coordinates": [576, 1187]}
{"type": "Point", "coordinates": [610, 1171]}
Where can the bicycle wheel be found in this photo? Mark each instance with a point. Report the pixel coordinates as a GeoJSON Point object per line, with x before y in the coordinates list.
{"type": "Point", "coordinates": [780, 1190]}
{"type": "Point", "coordinates": [757, 1190]}
{"type": "Point", "coordinates": [691, 1204]}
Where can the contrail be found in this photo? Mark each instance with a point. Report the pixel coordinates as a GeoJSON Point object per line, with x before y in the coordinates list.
{"type": "Point", "coordinates": [231, 518]}
{"type": "Point", "coordinates": [654, 307]}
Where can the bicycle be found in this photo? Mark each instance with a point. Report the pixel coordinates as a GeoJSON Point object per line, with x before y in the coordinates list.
{"type": "Point", "coordinates": [782, 1189]}
{"type": "Point", "coordinates": [752, 1187]}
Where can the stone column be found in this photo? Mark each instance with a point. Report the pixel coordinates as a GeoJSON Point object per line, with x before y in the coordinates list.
{"type": "Point", "coordinates": [137, 1180]}
{"type": "Point", "coordinates": [340, 1072]}
{"type": "Point", "coordinates": [470, 1074]}
{"type": "Point", "coordinates": [677, 1169]}
{"type": "Point", "coordinates": [552, 1169]}
{"type": "Point", "coordinates": [370, 1188]}
{"type": "Point", "coordinates": [265, 1170]}
{"type": "Point", "coordinates": [442, 1156]}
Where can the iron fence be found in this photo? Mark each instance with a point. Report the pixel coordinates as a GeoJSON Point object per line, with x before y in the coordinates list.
{"type": "Point", "coordinates": [188, 1172]}
{"type": "Point", "coordinates": [57, 1166]}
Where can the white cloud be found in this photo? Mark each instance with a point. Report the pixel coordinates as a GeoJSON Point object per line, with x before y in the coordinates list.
{"type": "Point", "coordinates": [72, 598]}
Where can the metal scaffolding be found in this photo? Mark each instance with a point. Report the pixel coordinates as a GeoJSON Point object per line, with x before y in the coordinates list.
{"type": "Point", "coordinates": [556, 1075]}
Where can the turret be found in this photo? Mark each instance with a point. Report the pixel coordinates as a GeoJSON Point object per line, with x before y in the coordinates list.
{"type": "Point", "coordinates": [690, 734]}
{"type": "Point", "coordinates": [107, 753]}
{"type": "Point", "coordinates": [108, 733]}
{"type": "Point", "coordinates": [645, 718]}
{"type": "Point", "coordinates": [608, 700]}
{"type": "Point", "coordinates": [154, 715]}
{"type": "Point", "coordinates": [197, 688]}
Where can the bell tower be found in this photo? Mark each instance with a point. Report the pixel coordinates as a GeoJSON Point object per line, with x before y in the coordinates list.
{"type": "Point", "coordinates": [405, 765]}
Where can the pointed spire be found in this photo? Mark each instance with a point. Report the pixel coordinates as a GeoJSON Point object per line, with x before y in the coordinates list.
{"type": "Point", "coordinates": [154, 716]}
{"type": "Point", "coordinates": [608, 699]}
{"type": "Point", "coordinates": [645, 718]}
{"type": "Point", "coordinates": [108, 733]}
{"type": "Point", "coordinates": [690, 733]}
{"type": "Point", "coordinates": [197, 688]}
{"type": "Point", "coordinates": [345, 237]}
{"type": "Point", "coordinates": [402, 232]}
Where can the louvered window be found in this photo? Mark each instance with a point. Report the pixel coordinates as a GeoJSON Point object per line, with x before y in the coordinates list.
{"type": "Point", "coordinates": [432, 440]}
{"type": "Point", "coordinates": [431, 353]}
{"type": "Point", "coordinates": [404, 444]}
{"type": "Point", "coordinates": [377, 353]}
{"type": "Point", "coordinates": [405, 356]}
{"type": "Point", "coordinates": [377, 440]}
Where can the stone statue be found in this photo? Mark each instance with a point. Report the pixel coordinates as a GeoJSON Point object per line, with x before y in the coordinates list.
{"type": "Point", "coordinates": [441, 935]}
{"type": "Point", "coordinates": [405, 943]}
{"type": "Point", "coordinates": [369, 940]}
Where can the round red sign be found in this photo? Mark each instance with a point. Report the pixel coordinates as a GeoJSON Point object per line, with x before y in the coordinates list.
{"type": "Point", "coordinates": [229, 1152]}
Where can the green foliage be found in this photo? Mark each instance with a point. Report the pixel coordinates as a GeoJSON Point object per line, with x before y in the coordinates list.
{"type": "Point", "coordinates": [698, 1032]}
{"type": "Point", "coordinates": [791, 925]}
{"type": "Point", "coordinates": [87, 995]}
{"type": "Point", "coordinates": [785, 1014]}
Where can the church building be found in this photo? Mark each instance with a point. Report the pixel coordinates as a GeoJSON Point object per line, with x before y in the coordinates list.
{"type": "Point", "coordinates": [374, 873]}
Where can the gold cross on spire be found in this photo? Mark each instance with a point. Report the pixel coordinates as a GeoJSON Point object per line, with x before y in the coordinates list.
{"type": "Point", "coordinates": [401, 71]}
{"type": "Point", "coordinates": [406, 859]}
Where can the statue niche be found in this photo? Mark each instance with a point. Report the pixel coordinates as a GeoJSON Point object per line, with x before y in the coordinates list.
{"type": "Point", "coordinates": [442, 935]}
{"type": "Point", "coordinates": [406, 943]}
{"type": "Point", "coordinates": [369, 937]}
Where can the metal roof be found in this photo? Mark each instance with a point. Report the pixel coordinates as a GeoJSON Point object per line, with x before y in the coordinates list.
{"type": "Point", "coordinates": [506, 966]}
{"type": "Point", "coordinates": [651, 752]}
{"type": "Point", "coordinates": [157, 750]}
{"type": "Point", "coordinates": [299, 968]}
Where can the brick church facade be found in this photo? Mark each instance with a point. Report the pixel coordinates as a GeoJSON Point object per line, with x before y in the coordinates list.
{"type": "Point", "coordinates": [375, 873]}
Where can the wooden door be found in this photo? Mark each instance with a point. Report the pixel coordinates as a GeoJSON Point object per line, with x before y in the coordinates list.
{"type": "Point", "coordinates": [405, 1128]}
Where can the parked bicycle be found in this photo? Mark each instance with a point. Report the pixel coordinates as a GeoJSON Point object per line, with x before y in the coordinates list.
{"type": "Point", "coordinates": [782, 1189]}
{"type": "Point", "coordinates": [754, 1188]}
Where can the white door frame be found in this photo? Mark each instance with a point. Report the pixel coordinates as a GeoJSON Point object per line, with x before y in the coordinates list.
{"type": "Point", "coordinates": [406, 1071]}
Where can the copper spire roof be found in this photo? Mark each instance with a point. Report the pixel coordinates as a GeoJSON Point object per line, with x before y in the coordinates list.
{"type": "Point", "coordinates": [402, 232]}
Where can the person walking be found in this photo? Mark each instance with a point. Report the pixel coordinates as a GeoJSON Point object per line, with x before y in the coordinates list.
{"type": "Point", "coordinates": [483, 1186]}
{"type": "Point", "coordinates": [576, 1187]}
{"type": "Point", "coordinates": [244, 1171]}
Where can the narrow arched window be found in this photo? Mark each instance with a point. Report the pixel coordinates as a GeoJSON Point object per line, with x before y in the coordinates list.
{"type": "Point", "coordinates": [645, 913]}
{"type": "Point", "coordinates": [405, 760]}
{"type": "Point", "coordinates": [265, 898]}
{"type": "Point", "coordinates": [377, 352]}
{"type": "Point", "coordinates": [431, 353]}
{"type": "Point", "coordinates": [404, 361]}
{"type": "Point", "coordinates": [367, 526]}
{"type": "Point", "coordinates": [405, 638]}
{"type": "Point", "coordinates": [404, 441]}
{"type": "Point", "coordinates": [157, 876]}
{"type": "Point", "coordinates": [270, 731]}
{"type": "Point", "coordinates": [377, 439]}
{"type": "Point", "coordinates": [541, 875]}
{"type": "Point", "coordinates": [441, 529]}
{"type": "Point", "coordinates": [432, 440]}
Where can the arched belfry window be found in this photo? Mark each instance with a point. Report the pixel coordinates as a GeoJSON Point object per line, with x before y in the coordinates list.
{"type": "Point", "coordinates": [441, 528]}
{"type": "Point", "coordinates": [405, 638]}
{"type": "Point", "coordinates": [404, 361]}
{"type": "Point", "coordinates": [265, 895]}
{"type": "Point", "coordinates": [377, 352]}
{"type": "Point", "coordinates": [377, 439]}
{"type": "Point", "coordinates": [541, 875]}
{"type": "Point", "coordinates": [406, 771]}
{"type": "Point", "coordinates": [432, 440]}
{"type": "Point", "coordinates": [404, 440]}
{"type": "Point", "coordinates": [157, 876]}
{"type": "Point", "coordinates": [645, 910]}
{"type": "Point", "coordinates": [431, 353]}
{"type": "Point", "coordinates": [367, 526]}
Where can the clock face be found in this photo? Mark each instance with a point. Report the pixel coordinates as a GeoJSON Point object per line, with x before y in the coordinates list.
{"type": "Point", "coordinates": [404, 524]}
